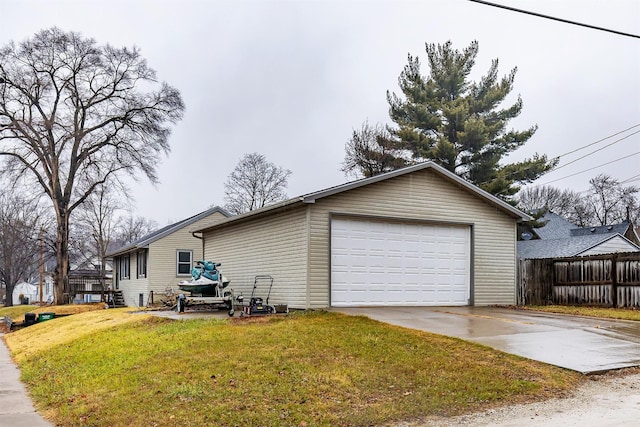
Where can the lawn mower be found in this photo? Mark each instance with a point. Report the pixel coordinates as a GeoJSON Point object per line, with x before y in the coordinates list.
{"type": "Point", "coordinates": [257, 305]}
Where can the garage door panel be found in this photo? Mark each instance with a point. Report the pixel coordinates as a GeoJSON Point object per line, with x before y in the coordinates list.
{"type": "Point", "coordinates": [385, 263]}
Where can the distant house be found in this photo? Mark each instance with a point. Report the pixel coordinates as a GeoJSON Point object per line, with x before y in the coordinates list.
{"type": "Point", "coordinates": [160, 259]}
{"type": "Point", "coordinates": [560, 238]}
{"type": "Point", "coordinates": [624, 228]}
{"type": "Point", "coordinates": [31, 292]}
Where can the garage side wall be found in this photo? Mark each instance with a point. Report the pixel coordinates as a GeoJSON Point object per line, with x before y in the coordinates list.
{"type": "Point", "coordinates": [426, 196]}
{"type": "Point", "coordinates": [274, 245]}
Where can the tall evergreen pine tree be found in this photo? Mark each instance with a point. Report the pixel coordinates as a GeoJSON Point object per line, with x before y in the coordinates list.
{"type": "Point", "coordinates": [458, 123]}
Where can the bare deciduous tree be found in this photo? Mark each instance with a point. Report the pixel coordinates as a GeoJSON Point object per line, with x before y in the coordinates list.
{"type": "Point", "coordinates": [20, 224]}
{"type": "Point", "coordinates": [609, 201]}
{"type": "Point", "coordinates": [95, 225]}
{"type": "Point", "coordinates": [606, 202]}
{"type": "Point", "coordinates": [369, 152]}
{"type": "Point", "coordinates": [131, 228]}
{"type": "Point", "coordinates": [254, 183]}
{"type": "Point", "coordinates": [74, 114]}
{"type": "Point", "coordinates": [568, 204]}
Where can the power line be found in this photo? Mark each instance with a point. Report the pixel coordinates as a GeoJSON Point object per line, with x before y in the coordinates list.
{"type": "Point", "coordinates": [578, 149]}
{"type": "Point", "coordinates": [633, 178]}
{"type": "Point", "coordinates": [587, 170]}
{"type": "Point", "coordinates": [566, 21]}
{"type": "Point", "coordinates": [595, 151]}
{"type": "Point", "coordinates": [596, 142]}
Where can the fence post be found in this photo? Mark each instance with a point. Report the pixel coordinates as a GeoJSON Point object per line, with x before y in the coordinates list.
{"type": "Point", "coordinates": [614, 280]}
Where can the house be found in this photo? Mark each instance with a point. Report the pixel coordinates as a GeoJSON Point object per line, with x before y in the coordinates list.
{"type": "Point", "coordinates": [582, 245]}
{"type": "Point", "coordinates": [559, 238]}
{"type": "Point", "coordinates": [160, 260]}
{"type": "Point", "coordinates": [624, 229]}
{"type": "Point", "coordinates": [418, 236]}
{"type": "Point", "coordinates": [87, 283]}
{"type": "Point", "coordinates": [31, 291]}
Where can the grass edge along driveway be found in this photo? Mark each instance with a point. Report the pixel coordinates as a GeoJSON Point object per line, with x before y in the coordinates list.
{"type": "Point", "coordinates": [304, 369]}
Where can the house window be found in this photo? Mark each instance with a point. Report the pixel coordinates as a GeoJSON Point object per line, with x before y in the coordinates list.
{"type": "Point", "coordinates": [124, 266]}
{"type": "Point", "coordinates": [141, 263]}
{"type": "Point", "coordinates": [185, 260]}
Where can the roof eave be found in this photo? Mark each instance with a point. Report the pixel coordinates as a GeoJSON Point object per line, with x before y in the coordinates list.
{"type": "Point", "coordinates": [250, 214]}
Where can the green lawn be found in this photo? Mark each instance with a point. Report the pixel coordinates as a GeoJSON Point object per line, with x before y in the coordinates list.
{"type": "Point", "coordinates": [315, 368]}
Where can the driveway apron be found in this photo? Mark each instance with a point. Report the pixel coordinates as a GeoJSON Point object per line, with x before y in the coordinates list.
{"type": "Point", "coordinates": [582, 344]}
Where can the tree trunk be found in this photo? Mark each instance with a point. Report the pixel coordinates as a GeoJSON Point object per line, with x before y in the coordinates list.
{"type": "Point", "coordinates": [61, 272]}
{"type": "Point", "coordinates": [8, 299]}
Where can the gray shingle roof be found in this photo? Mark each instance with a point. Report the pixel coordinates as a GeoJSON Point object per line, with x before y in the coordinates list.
{"type": "Point", "coordinates": [558, 248]}
{"type": "Point", "coordinates": [556, 227]}
{"type": "Point", "coordinates": [164, 231]}
{"type": "Point", "coordinates": [602, 229]}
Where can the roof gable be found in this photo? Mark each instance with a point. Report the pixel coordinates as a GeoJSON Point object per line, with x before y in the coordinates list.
{"type": "Point", "coordinates": [312, 197]}
{"type": "Point", "coordinates": [167, 230]}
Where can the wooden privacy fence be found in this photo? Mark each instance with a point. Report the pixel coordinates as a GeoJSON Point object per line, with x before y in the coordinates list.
{"type": "Point", "coordinates": [611, 280]}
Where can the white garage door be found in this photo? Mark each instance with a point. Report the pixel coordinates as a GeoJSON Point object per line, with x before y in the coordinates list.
{"type": "Point", "coordinates": [377, 263]}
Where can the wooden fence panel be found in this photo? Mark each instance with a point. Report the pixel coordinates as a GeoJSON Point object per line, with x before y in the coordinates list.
{"type": "Point", "coordinates": [611, 280]}
{"type": "Point", "coordinates": [535, 282]}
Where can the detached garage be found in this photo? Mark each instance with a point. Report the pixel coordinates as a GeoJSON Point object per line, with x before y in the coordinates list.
{"type": "Point", "coordinates": [417, 236]}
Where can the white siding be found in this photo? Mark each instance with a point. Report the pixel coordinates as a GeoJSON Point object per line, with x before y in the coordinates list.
{"type": "Point", "coordinates": [275, 245]}
{"type": "Point", "coordinates": [615, 244]}
{"type": "Point", "coordinates": [132, 288]}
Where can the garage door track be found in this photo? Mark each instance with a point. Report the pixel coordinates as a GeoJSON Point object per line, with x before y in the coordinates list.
{"type": "Point", "coordinates": [582, 344]}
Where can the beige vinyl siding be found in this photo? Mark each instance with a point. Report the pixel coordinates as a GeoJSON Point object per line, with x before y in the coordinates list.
{"type": "Point", "coordinates": [427, 196]}
{"type": "Point", "coordinates": [162, 261]}
{"type": "Point", "coordinates": [275, 245]}
{"type": "Point", "coordinates": [615, 244]}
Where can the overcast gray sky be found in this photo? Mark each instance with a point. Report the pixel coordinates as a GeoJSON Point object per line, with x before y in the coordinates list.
{"type": "Point", "coordinates": [292, 79]}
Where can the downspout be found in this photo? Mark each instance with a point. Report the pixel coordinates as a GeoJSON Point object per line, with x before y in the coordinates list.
{"type": "Point", "coordinates": [201, 237]}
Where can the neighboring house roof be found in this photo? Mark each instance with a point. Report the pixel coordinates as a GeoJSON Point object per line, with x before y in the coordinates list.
{"type": "Point", "coordinates": [312, 197]}
{"type": "Point", "coordinates": [145, 241]}
{"type": "Point", "coordinates": [567, 247]}
{"type": "Point", "coordinates": [602, 229]}
{"type": "Point", "coordinates": [556, 227]}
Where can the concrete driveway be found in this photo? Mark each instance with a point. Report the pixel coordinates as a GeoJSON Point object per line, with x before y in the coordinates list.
{"type": "Point", "coordinates": [581, 344]}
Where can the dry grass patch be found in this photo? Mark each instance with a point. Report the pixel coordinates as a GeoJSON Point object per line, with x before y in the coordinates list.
{"type": "Point", "coordinates": [62, 331]}
{"type": "Point", "coordinates": [16, 313]}
{"type": "Point", "coordinates": [602, 312]}
{"type": "Point", "coordinates": [320, 369]}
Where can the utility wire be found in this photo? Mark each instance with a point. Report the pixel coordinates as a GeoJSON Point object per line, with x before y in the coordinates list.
{"type": "Point", "coordinates": [587, 170]}
{"type": "Point", "coordinates": [566, 21]}
{"type": "Point", "coordinates": [594, 151]}
{"type": "Point", "coordinates": [596, 142]}
{"type": "Point", "coordinates": [633, 178]}
{"type": "Point", "coordinates": [580, 148]}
